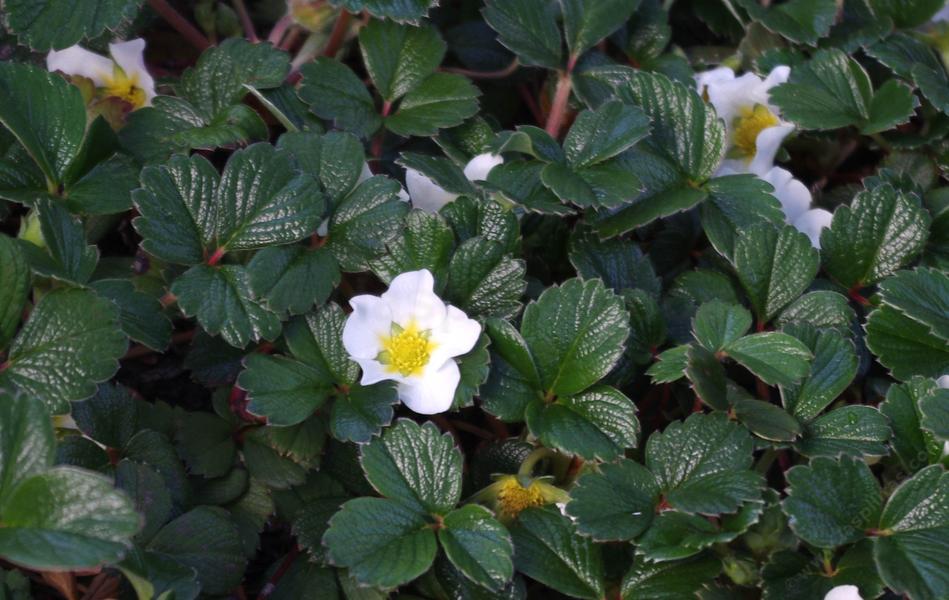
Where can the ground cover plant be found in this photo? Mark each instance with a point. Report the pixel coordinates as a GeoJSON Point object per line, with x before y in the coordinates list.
{"type": "Point", "coordinates": [363, 299]}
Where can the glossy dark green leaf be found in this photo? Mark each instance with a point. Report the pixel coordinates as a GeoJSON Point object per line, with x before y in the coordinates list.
{"type": "Point", "coordinates": [484, 281]}
{"type": "Point", "coordinates": [293, 279]}
{"type": "Point", "coordinates": [717, 324]}
{"type": "Point", "coordinates": [586, 22]}
{"type": "Point", "coordinates": [598, 135]}
{"type": "Point", "coordinates": [364, 221]}
{"type": "Point", "coordinates": [528, 28]}
{"type": "Point", "coordinates": [398, 10]}
{"type": "Point", "coordinates": [905, 346]}
{"type": "Point", "coordinates": [335, 93]}
{"type": "Point", "coordinates": [802, 21]}
{"type": "Point", "coordinates": [441, 100]}
{"type": "Point", "coordinates": [425, 243]}
{"type": "Point", "coordinates": [14, 287]}
{"type": "Point", "coordinates": [912, 446]}
{"type": "Point", "coordinates": [616, 503]}
{"type": "Point", "coordinates": [620, 263]}
{"type": "Point", "coordinates": [655, 581]}
{"type": "Point", "coordinates": [775, 357]}
{"type": "Point", "coordinates": [140, 315]}
{"type": "Point", "coordinates": [833, 368]}
{"type": "Point", "coordinates": [735, 203]}
{"type": "Point", "coordinates": [478, 545]}
{"type": "Point", "coordinates": [399, 57]}
{"type": "Point", "coordinates": [854, 430]}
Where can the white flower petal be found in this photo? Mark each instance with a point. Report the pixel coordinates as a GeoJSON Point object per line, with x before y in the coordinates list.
{"type": "Point", "coordinates": [729, 96]}
{"type": "Point", "coordinates": [373, 372]}
{"type": "Point", "coordinates": [404, 196]}
{"type": "Point", "coordinates": [777, 76]}
{"type": "Point", "coordinates": [716, 75]}
{"type": "Point", "coordinates": [812, 222]}
{"type": "Point", "coordinates": [766, 147]}
{"type": "Point", "coordinates": [478, 167]}
{"type": "Point", "coordinates": [844, 592]}
{"type": "Point", "coordinates": [365, 174]}
{"type": "Point", "coordinates": [425, 193]}
{"type": "Point", "coordinates": [457, 335]}
{"type": "Point", "coordinates": [130, 56]}
{"type": "Point", "coordinates": [793, 195]}
{"type": "Point", "coordinates": [943, 381]}
{"type": "Point", "coordinates": [432, 393]}
{"type": "Point", "coordinates": [369, 322]}
{"type": "Point", "coordinates": [79, 61]}
{"type": "Point", "coordinates": [411, 298]}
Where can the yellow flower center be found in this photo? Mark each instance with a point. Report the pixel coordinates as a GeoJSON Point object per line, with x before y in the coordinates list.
{"type": "Point", "coordinates": [513, 497]}
{"type": "Point", "coordinates": [748, 124]}
{"type": "Point", "coordinates": [120, 85]}
{"type": "Point", "coordinates": [407, 350]}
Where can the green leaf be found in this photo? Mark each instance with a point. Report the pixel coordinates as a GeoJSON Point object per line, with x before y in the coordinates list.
{"type": "Point", "coordinates": [399, 57]}
{"type": "Point", "coordinates": [791, 575]}
{"type": "Point", "coordinates": [105, 189]}
{"type": "Point", "coordinates": [880, 232]}
{"type": "Point", "coordinates": [575, 332]}
{"type": "Point", "coordinates": [268, 466]}
{"type": "Point", "coordinates": [702, 464]}
{"type": "Point", "coordinates": [670, 365]}
{"type": "Point", "coordinates": [764, 419]}
{"type": "Point", "coordinates": [893, 104]}
{"type": "Point", "coordinates": [442, 100]}
{"type": "Point", "coordinates": [335, 93]}
{"type": "Point", "coordinates": [140, 315]}
{"type": "Point", "coordinates": [737, 202]}
{"type": "Point", "coordinates": [620, 263]}
{"type": "Point", "coordinates": [802, 21]}
{"type": "Point", "coordinates": [219, 78]}
{"type": "Point", "coordinates": [45, 113]}
{"type": "Point", "coordinates": [528, 28]}
{"type": "Point", "coordinates": [336, 159]}
{"type": "Point", "coordinates": [207, 540]}
{"type": "Point", "coordinates": [222, 301]}
{"type": "Point", "coordinates": [597, 423]}
{"type": "Point", "coordinates": [821, 309]}
{"type": "Point", "coordinates": [426, 243]}
{"type": "Point", "coordinates": [548, 549]}
{"type": "Point", "coordinates": [291, 280]}
{"type": "Point", "coordinates": [156, 450]}
{"type": "Point", "coordinates": [905, 346]}
{"type": "Point", "coordinates": [616, 503]}
{"type": "Point", "coordinates": [685, 130]}
{"type": "Point", "coordinates": [675, 535]}
{"type": "Point", "coordinates": [68, 257]}
{"type": "Point", "coordinates": [27, 445]}
{"type": "Point", "coordinates": [478, 545]}
{"type": "Point", "coordinates": [66, 519]}
{"type": "Point", "coordinates": [656, 581]}
{"type": "Point", "coordinates": [717, 324]}
{"type": "Point", "coordinates": [154, 575]}
{"type": "Point", "coordinates": [445, 173]}
{"type": "Point", "coordinates": [206, 444]}
{"type": "Point", "coordinates": [903, 409]}
{"type": "Point", "coordinates": [774, 266]}
{"type": "Point", "coordinates": [14, 287]}
{"type": "Point", "coordinates": [47, 25]}
{"type": "Point", "coordinates": [598, 135]}
{"type": "Point", "coordinates": [775, 357]}
{"type": "Point", "coordinates": [484, 281]}
{"type": "Point", "coordinates": [382, 542]}
{"type": "Point", "coordinates": [646, 325]}
{"type": "Point", "coordinates": [415, 465]}
{"type": "Point", "coordinates": [921, 295]}
{"type": "Point", "coordinates": [648, 209]}
{"type": "Point", "coordinates": [833, 368]}
{"type": "Point", "coordinates": [283, 390]}
{"type": "Point", "coordinates": [397, 10]}
{"type": "Point", "coordinates": [360, 414]}
{"type": "Point", "coordinates": [79, 333]}
{"type": "Point", "coordinates": [914, 547]}
{"type": "Point", "coordinates": [707, 377]}
{"type": "Point", "coordinates": [832, 502]}
{"type": "Point", "coordinates": [906, 13]}
{"type": "Point", "coordinates": [935, 414]}
{"type": "Point", "coordinates": [146, 489]}
{"type": "Point", "coordinates": [364, 221]}
{"type": "Point", "coordinates": [317, 341]}
{"type": "Point", "coordinates": [586, 22]}
{"type": "Point", "coordinates": [854, 430]}
{"type": "Point", "coordinates": [605, 185]}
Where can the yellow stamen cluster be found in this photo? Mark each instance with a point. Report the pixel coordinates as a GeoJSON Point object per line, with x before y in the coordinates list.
{"type": "Point", "coordinates": [119, 85]}
{"type": "Point", "coordinates": [748, 124]}
{"type": "Point", "coordinates": [513, 497]}
{"type": "Point", "coordinates": [406, 351]}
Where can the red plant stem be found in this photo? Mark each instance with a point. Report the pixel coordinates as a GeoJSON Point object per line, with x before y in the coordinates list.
{"type": "Point", "coordinates": [167, 300]}
{"type": "Point", "coordinates": [530, 102]}
{"type": "Point", "coordinates": [857, 297]}
{"type": "Point", "coordinates": [279, 28]}
{"type": "Point", "coordinates": [499, 74]}
{"type": "Point", "coordinates": [180, 24]}
{"type": "Point", "coordinates": [337, 34]}
{"type": "Point", "coordinates": [558, 110]}
{"type": "Point", "coordinates": [216, 257]}
{"type": "Point", "coordinates": [241, 9]}
{"type": "Point", "coordinates": [279, 573]}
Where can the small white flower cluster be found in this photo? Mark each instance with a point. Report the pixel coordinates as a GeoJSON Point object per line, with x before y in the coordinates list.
{"type": "Point", "coordinates": [755, 132]}
{"type": "Point", "coordinates": [122, 76]}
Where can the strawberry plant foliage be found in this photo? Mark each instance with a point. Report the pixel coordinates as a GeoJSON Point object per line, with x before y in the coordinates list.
{"type": "Point", "coordinates": [501, 299]}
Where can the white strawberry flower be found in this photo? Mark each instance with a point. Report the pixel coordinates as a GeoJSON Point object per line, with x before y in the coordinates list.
{"type": "Point", "coordinates": [754, 125]}
{"type": "Point", "coordinates": [122, 76]}
{"type": "Point", "coordinates": [429, 196]}
{"type": "Point", "coordinates": [795, 201]}
{"type": "Point", "coordinates": [410, 336]}
{"type": "Point", "coordinates": [844, 592]}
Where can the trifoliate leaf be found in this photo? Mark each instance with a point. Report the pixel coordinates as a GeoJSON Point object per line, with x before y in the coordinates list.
{"type": "Point", "coordinates": [575, 333]}
{"type": "Point", "coordinates": [79, 333]}
{"type": "Point", "coordinates": [45, 113]}
{"type": "Point", "coordinates": [484, 281]}
{"type": "Point", "coordinates": [717, 324]}
{"type": "Point", "coordinates": [833, 368]}
{"type": "Point", "coordinates": [913, 543]}
{"type": "Point", "coordinates": [854, 430]}
{"type": "Point", "coordinates": [442, 100]}
{"type": "Point", "coordinates": [832, 502]}
{"type": "Point", "coordinates": [399, 57]}
{"type": "Point", "coordinates": [415, 465]}
{"type": "Point", "coordinates": [222, 300]}
{"type": "Point", "coordinates": [703, 464]}
{"type": "Point", "coordinates": [775, 357]}
{"type": "Point", "coordinates": [774, 266]}
{"type": "Point", "coordinates": [425, 243]}
{"type": "Point", "coordinates": [140, 315]}
{"type": "Point", "coordinates": [527, 28]}
{"type": "Point", "coordinates": [548, 549]}
{"type": "Point", "coordinates": [382, 542]}
{"type": "Point", "coordinates": [293, 279]}
{"type": "Point", "coordinates": [14, 287]}
{"type": "Point", "coordinates": [478, 545]}
{"type": "Point", "coordinates": [597, 423]}
{"type": "Point", "coordinates": [880, 232]}
{"type": "Point", "coordinates": [364, 221]}
{"type": "Point", "coordinates": [64, 519]}
{"type": "Point", "coordinates": [336, 94]}
{"type": "Point", "coordinates": [616, 503]}
{"type": "Point", "coordinates": [207, 540]}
